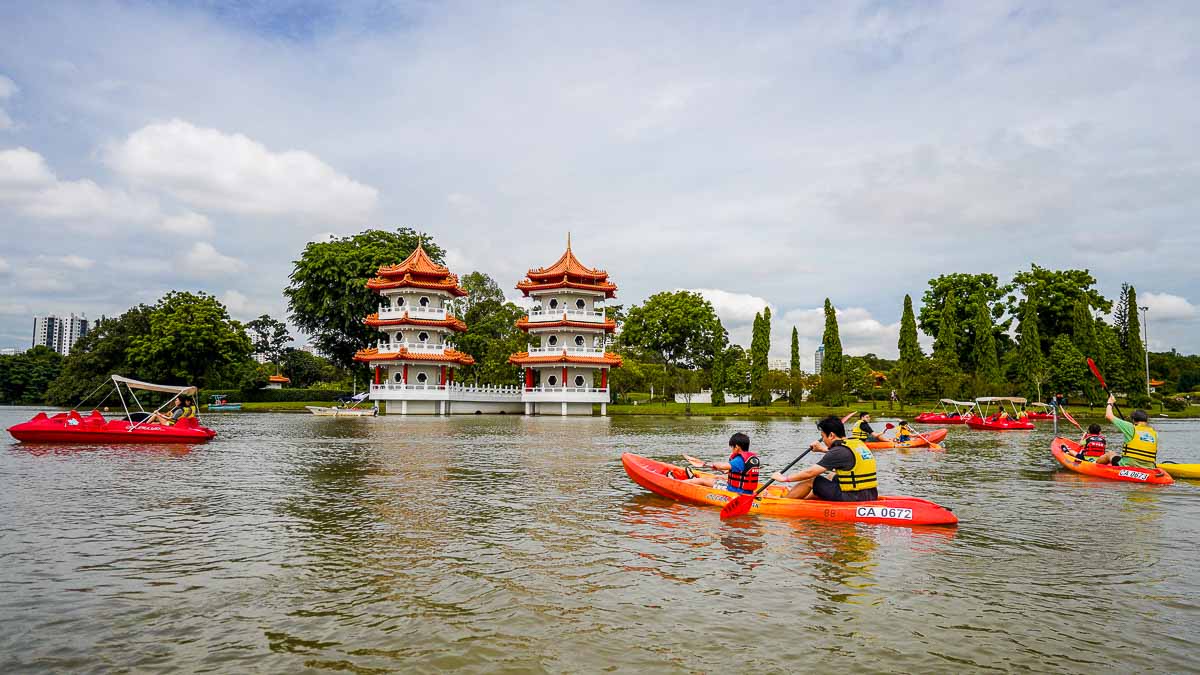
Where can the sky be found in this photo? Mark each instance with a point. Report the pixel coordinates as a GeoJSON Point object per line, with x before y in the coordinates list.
{"type": "Point", "coordinates": [761, 153]}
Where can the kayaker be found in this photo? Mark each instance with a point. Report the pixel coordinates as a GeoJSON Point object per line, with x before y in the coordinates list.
{"type": "Point", "coordinates": [851, 461]}
{"type": "Point", "coordinates": [741, 471]}
{"type": "Point", "coordinates": [1141, 440]}
{"type": "Point", "coordinates": [904, 433]}
{"type": "Point", "coordinates": [862, 429]}
{"type": "Point", "coordinates": [1093, 443]}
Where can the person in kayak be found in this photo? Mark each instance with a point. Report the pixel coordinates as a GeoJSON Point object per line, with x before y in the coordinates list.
{"type": "Point", "coordinates": [741, 470]}
{"type": "Point", "coordinates": [1093, 444]}
{"type": "Point", "coordinates": [862, 430]}
{"type": "Point", "coordinates": [851, 462]}
{"type": "Point", "coordinates": [904, 433]}
{"type": "Point", "coordinates": [1141, 440]}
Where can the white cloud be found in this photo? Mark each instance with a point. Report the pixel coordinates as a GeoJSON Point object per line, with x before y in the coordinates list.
{"type": "Point", "coordinates": [205, 261]}
{"type": "Point", "coordinates": [733, 308]}
{"type": "Point", "coordinates": [237, 303]}
{"type": "Point", "coordinates": [211, 169]}
{"type": "Point", "coordinates": [1167, 307]}
{"type": "Point", "coordinates": [75, 262]}
{"type": "Point", "coordinates": [4, 267]}
{"type": "Point", "coordinates": [189, 224]}
{"type": "Point", "coordinates": [22, 169]}
{"type": "Point", "coordinates": [28, 183]}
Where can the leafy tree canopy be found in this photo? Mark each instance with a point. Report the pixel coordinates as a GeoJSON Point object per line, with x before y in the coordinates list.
{"type": "Point", "coordinates": [832, 362]}
{"type": "Point", "coordinates": [962, 288]}
{"type": "Point", "coordinates": [328, 297]}
{"type": "Point", "coordinates": [268, 336]}
{"type": "Point", "coordinates": [105, 350]}
{"type": "Point", "coordinates": [25, 377]}
{"type": "Point", "coordinates": [1057, 293]}
{"type": "Point", "coordinates": [681, 327]}
{"type": "Point", "coordinates": [191, 338]}
{"type": "Point", "coordinates": [492, 334]}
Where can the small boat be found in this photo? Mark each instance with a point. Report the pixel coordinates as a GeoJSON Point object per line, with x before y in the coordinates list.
{"type": "Point", "coordinates": [71, 427]}
{"type": "Point", "coordinates": [334, 411]}
{"type": "Point", "coordinates": [952, 412]}
{"type": "Point", "coordinates": [1189, 471]}
{"type": "Point", "coordinates": [1044, 411]}
{"type": "Point", "coordinates": [1064, 450]}
{"type": "Point", "coordinates": [901, 511]}
{"type": "Point", "coordinates": [219, 403]}
{"type": "Point", "coordinates": [994, 422]}
{"type": "Point", "coordinates": [930, 438]}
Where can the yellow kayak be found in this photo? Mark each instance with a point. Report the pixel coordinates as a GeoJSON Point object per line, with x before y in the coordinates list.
{"type": "Point", "coordinates": [1181, 470]}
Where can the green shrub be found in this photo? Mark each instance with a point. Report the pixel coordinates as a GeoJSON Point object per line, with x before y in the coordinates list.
{"type": "Point", "coordinates": [275, 395]}
{"type": "Point", "coordinates": [1175, 404]}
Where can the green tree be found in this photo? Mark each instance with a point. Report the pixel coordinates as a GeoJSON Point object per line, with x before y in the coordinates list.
{"type": "Point", "coordinates": [956, 289]}
{"type": "Point", "coordinates": [1058, 292]}
{"type": "Point", "coordinates": [680, 327]}
{"type": "Point", "coordinates": [103, 352]}
{"type": "Point", "coordinates": [327, 295]}
{"type": "Point", "coordinates": [1135, 352]}
{"type": "Point", "coordinates": [719, 377]}
{"type": "Point", "coordinates": [737, 371]}
{"type": "Point", "coordinates": [269, 337]}
{"type": "Point", "coordinates": [832, 363]}
{"type": "Point", "coordinates": [911, 354]}
{"type": "Point", "coordinates": [1083, 327]}
{"type": "Point", "coordinates": [492, 334]}
{"type": "Point", "coordinates": [1067, 367]}
{"type": "Point", "coordinates": [760, 349]}
{"type": "Point", "coordinates": [1030, 366]}
{"type": "Point", "coordinates": [1110, 357]}
{"type": "Point", "coordinates": [945, 347]}
{"type": "Point", "coordinates": [25, 377]}
{"type": "Point", "coordinates": [191, 338]}
{"type": "Point", "coordinates": [795, 376]}
{"type": "Point", "coordinates": [983, 352]}
{"type": "Point", "coordinates": [305, 369]}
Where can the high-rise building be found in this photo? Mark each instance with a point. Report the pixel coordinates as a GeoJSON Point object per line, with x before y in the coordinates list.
{"type": "Point", "coordinates": [58, 333]}
{"type": "Point", "coordinates": [818, 359]}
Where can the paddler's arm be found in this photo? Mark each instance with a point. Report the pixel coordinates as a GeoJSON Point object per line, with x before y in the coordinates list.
{"type": "Point", "coordinates": [811, 472]}
{"type": "Point", "coordinates": [1108, 408]}
{"type": "Point", "coordinates": [701, 464]}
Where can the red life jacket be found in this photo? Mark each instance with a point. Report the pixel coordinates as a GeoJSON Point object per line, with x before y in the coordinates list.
{"type": "Point", "coordinates": [745, 481]}
{"type": "Point", "coordinates": [1094, 446]}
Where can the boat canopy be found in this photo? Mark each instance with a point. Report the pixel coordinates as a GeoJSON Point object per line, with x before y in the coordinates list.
{"type": "Point", "coordinates": [1037, 404]}
{"type": "Point", "coordinates": [994, 399]}
{"type": "Point", "coordinates": [164, 388]}
{"type": "Point", "coordinates": [951, 401]}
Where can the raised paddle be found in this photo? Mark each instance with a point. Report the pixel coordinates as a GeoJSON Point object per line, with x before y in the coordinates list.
{"type": "Point", "coordinates": [1103, 385]}
{"type": "Point", "coordinates": [740, 505]}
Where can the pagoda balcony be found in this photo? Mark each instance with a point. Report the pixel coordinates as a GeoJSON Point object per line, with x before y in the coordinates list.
{"type": "Point", "coordinates": [565, 394]}
{"type": "Point", "coordinates": [414, 312]}
{"type": "Point", "coordinates": [571, 314]}
{"type": "Point", "coordinates": [578, 351]}
{"type": "Point", "coordinates": [422, 347]}
{"type": "Point", "coordinates": [416, 391]}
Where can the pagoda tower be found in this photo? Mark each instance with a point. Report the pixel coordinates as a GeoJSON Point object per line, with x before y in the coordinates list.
{"type": "Point", "coordinates": [413, 361]}
{"type": "Point", "coordinates": [566, 365]}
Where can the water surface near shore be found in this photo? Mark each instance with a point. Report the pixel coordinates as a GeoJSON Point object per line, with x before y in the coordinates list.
{"type": "Point", "coordinates": [296, 543]}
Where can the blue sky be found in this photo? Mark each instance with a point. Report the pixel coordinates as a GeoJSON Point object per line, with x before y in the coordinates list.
{"type": "Point", "coordinates": [765, 153]}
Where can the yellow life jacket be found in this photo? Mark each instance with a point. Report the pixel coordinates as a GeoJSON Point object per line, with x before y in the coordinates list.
{"type": "Point", "coordinates": [1144, 444]}
{"type": "Point", "coordinates": [858, 433]}
{"type": "Point", "coordinates": [188, 411]}
{"type": "Point", "coordinates": [862, 475]}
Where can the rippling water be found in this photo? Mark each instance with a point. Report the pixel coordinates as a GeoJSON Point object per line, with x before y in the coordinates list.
{"type": "Point", "coordinates": [296, 543]}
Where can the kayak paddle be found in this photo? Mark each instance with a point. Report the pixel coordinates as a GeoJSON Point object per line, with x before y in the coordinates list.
{"type": "Point", "coordinates": [740, 505]}
{"type": "Point", "coordinates": [1103, 385]}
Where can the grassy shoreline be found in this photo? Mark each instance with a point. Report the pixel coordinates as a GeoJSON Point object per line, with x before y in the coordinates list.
{"type": "Point", "coordinates": [880, 410]}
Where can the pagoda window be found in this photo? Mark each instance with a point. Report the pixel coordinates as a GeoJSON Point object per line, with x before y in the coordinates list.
{"type": "Point", "coordinates": [578, 380]}
{"type": "Point", "coordinates": [424, 301]}
{"type": "Point", "coordinates": [552, 341]}
{"type": "Point", "coordinates": [398, 301]}
{"type": "Point", "coordinates": [580, 303]}
{"type": "Point", "coordinates": [553, 303]}
{"type": "Point", "coordinates": [399, 337]}
{"type": "Point", "coordinates": [423, 336]}
{"type": "Point", "coordinates": [578, 340]}
{"type": "Point", "coordinates": [552, 381]}
{"type": "Point", "coordinates": [398, 378]}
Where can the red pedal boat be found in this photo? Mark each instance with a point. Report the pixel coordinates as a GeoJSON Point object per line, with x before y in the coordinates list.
{"type": "Point", "coordinates": [902, 511]}
{"type": "Point", "coordinates": [952, 412]}
{"type": "Point", "coordinates": [993, 422]}
{"type": "Point", "coordinates": [1064, 451]}
{"type": "Point", "coordinates": [71, 427]}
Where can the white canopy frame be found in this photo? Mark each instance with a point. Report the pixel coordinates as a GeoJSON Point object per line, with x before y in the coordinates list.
{"type": "Point", "coordinates": [984, 403]}
{"type": "Point", "coordinates": [133, 384]}
{"type": "Point", "coordinates": [950, 406]}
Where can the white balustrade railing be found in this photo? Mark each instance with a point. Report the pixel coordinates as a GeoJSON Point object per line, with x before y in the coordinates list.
{"type": "Point", "coordinates": [568, 390]}
{"type": "Point", "coordinates": [424, 347]}
{"type": "Point", "coordinates": [402, 386]}
{"type": "Point", "coordinates": [556, 314]}
{"type": "Point", "coordinates": [582, 351]}
{"type": "Point", "coordinates": [415, 312]}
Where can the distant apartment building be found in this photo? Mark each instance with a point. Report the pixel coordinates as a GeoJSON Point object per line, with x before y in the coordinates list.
{"type": "Point", "coordinates": [8, 351]}
{"type": "Point", "coordinates": [818, 359]}
{"type": "Point", "coordinates": [58, 333]}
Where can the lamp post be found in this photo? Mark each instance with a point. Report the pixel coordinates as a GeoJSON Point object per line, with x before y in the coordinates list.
{"type": "Point", "coordinates": [1146, 345]}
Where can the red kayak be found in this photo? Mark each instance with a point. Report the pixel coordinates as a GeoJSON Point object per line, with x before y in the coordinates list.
{"type": "Point", "coordinates": [71, 427]}
{"type": "Point", "coordinates": [930, 438]}
{"type": "Point", "coordinates": [1064, 451]}
{"type": "Point", "coordinates": [903, 511]}
{"type": "Point", "coordinates": [997, 424]}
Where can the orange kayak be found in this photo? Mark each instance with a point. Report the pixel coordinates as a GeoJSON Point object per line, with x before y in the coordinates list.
{"type": "Point", "coordinates": [902, 511]}
{"type": "Point", "coordinates": [934, 437]}
{"type": "Point", "coordinates": [1064, 451]}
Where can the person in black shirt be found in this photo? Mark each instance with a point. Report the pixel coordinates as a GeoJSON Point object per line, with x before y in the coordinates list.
{"type": "Point", "coordinates": [851, 462]}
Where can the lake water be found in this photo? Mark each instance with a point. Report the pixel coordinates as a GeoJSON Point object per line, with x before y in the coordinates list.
{"type": "Point", "coordinates": [293, 543]}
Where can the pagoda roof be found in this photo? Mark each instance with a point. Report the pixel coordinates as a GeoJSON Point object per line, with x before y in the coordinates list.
{"type": "Point", "coordinates": [524, 359]}
{"type": "Point", "coordinates": [608, 325]}
{"type": "Point", "coordinates": [452, 322]}
{"type": "Point", "coordinates": [418, 270]}
{"type": "Point", "coordinates": [567, 272]}
{"type": "Point", "coordinates": [448, 356]}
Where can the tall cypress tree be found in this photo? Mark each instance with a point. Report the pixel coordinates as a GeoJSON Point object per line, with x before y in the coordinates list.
{"type": "Point", "coordinates": [1083, 334]}
{"type": "Point", "coordinates": [1135, 354]}
{"type": "Point", "coordinates": [760, 348]}
{"type": "Point", "coordinates": [909, 348]}
{"type": "Point", "coordinates": [1031, 366]}
{"type": "Point", "coordinates": [794, 382]}
{"type": "Point", "coordinates": [833, 363]}
{"type": "Point", "coordinates": [983, 351]}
